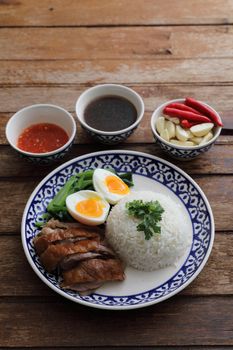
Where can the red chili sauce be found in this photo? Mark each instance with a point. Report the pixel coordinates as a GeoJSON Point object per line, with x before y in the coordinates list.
{"type": "Point", "coordinates": [42, 138]}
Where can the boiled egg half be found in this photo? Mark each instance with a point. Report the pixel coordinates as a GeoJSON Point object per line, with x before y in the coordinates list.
{"type": "Point", "coordinates": [88, 207]}
{"type": "Point", "coordinates": [109, 185]}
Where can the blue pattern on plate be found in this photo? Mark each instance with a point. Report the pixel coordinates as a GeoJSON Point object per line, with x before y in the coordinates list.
{"type": "Point", "coordinates": [152, 168]}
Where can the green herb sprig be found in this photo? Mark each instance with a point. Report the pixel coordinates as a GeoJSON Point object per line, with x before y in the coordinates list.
{"type": "Point", "coordinates": [150, 214]}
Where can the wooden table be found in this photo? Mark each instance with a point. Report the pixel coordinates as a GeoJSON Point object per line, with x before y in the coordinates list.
{"type": "Point", "coordinates": [51, 51]}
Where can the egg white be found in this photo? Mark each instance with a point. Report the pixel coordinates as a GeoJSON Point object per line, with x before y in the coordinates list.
{"type": "Point", "coordinates": [100, 186]}
{"type": "Point", "coordinates": [73, 199]}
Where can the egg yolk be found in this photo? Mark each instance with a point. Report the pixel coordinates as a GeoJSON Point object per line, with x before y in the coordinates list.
{"type": "Point", "coordinates": [116, 185]}
{"type": "Point", "coordinates": [92, 207]}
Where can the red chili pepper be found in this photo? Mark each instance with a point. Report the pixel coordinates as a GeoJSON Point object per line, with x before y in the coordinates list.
{"type": "Point", "coordinates": [191, 102]}
{"type": "Point", "coordinates": [183, 107]}
{"type": "Point", "coordinates": [192, 117]}
{"type": "Point", "coordinates": [186, 124]}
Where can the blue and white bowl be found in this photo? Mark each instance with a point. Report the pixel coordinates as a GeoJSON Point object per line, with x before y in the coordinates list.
{"type": "Point", "coordinates": [109, 137]}
{"type": "Point", "coordinates": [177, 151]}
{"type": "Point", "coordinates": [41, 113]}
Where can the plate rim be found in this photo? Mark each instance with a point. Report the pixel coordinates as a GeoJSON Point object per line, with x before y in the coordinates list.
{"type": "Point", "coordinates": [110, 307]}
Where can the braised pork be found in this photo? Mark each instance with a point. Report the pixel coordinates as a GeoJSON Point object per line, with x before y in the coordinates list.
{"type": "Point", "coordinates": [93, 270]}
{"type": "Point", "coordinates": [72, 260]}
{"type": "Point", "coordinates": [80, 253]}
{"type": "Point", "coordinates": [54, 254]}
{"type": "Point", "coordinates": [55, 232]}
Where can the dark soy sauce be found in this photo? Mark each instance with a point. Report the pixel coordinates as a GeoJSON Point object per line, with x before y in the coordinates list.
{"type": "Point", "coordinates": [110, 113]}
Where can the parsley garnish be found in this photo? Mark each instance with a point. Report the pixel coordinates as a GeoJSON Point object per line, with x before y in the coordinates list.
{"type": "Point", "coordinates": [149, 213]}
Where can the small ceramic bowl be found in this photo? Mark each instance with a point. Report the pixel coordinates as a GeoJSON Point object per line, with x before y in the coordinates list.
{"type": "Point", "coordinates": [177, 151]}
{"type": "Point", "coordinates": [41, 113]}
{"type": "Point", "coordinates": [88, 96]}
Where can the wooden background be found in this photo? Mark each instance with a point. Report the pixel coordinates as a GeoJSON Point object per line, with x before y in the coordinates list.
{"type": "Point", "coordinates": [50, 52]}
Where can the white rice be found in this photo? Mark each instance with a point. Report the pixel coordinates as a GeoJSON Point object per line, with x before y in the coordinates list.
{"type": "Point", "coordinates": [162, 249]}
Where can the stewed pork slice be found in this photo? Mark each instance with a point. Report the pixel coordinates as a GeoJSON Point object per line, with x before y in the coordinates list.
{"type": "Point", "coordinates": [53, 224]}
{"type": "Point", "coordinates": [93, 270]}
{"type": "Point", "coordinates": [81, 253]}
{"type": "Point", "coordinates": [72, 260]}
{"type": "Point", "coordinates": [56, 232]}
{"type": "Point", "coordinates": [86, 288]}
{"type": "Point", "coordinates": [54, 254]}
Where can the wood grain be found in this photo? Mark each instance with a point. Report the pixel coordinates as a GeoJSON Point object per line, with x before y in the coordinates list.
{"type": "Point", "coordinates": [215, 279]}
{"type": "Point", "coordinates": [53, 320]}
{"type": "Point", "coordinates": [218, 189]}
{"type": "Point", "coordinates": [51, 51]}
{"type": "Point", "coordinates": [123, 348]}
{"type": "Point", "coordinates": [14, 98]}
{"type": "Point", "coordinates": [143, 71]}
{"type": "Point", "coordinates": [218, 160]}
{"type": "Point", "coordinates": [126, 43]}
{"type": "Point", "coordinates": [142, 134]}
{"type": "Point", "coordinates": [111, 12]}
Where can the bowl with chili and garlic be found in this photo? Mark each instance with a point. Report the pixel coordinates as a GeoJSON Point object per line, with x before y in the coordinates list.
{"type": "Point", "coordinates": [41, 133]}
{"type": "Point", "coordinates": [185, 128]}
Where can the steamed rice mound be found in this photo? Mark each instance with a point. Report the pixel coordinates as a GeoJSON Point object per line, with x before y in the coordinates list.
{"type": "Point", "coordinates": [162, 249]}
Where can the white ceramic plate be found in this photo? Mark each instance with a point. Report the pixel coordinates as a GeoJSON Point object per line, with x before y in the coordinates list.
{"type": "Point", "coordinates": [139, 289]}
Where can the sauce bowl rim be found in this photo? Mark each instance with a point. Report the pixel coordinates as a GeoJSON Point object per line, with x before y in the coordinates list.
{"type": "Point", "coordinates": [44, 154]}
{"type": "Point", "coordinates": [117, 132]}
{"type": "Point", "coordinates": [196, 147]}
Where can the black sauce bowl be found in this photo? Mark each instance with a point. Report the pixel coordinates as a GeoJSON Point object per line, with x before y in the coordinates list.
{"type": "Point", "coordinates": [98, 91]}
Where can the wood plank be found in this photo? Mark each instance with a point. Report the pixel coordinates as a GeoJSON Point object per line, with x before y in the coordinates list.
{"type": "Point", "coordinates": [12, 268]}
{"type": "Point", "coordinates": [14, 98]}
{"type": "Point", "coordinates": [215, 279]}
{"type": "Point", "coordinates": [217, 275]}
{"type": "Point", "coordinates": [121, 348]}
{"type": "Point", "coordinates": [118, 348]}
{"type": "Point", "coordinates": [110, 12]}
{"type": "Point", "coordinates": [218, 160]}
{"type": "Point", "coordinates": [219, 191]}
{"type": "Point", "coordinates": [142, 134]}
{"type": "Point", "coordinates": [211, 318]}
{"type": "Point", "coordinates": [147, 71]}
{"type": "Point", "coordinates": [126, 43]}
{"type": "Point", "coordinates": [220, 97]}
